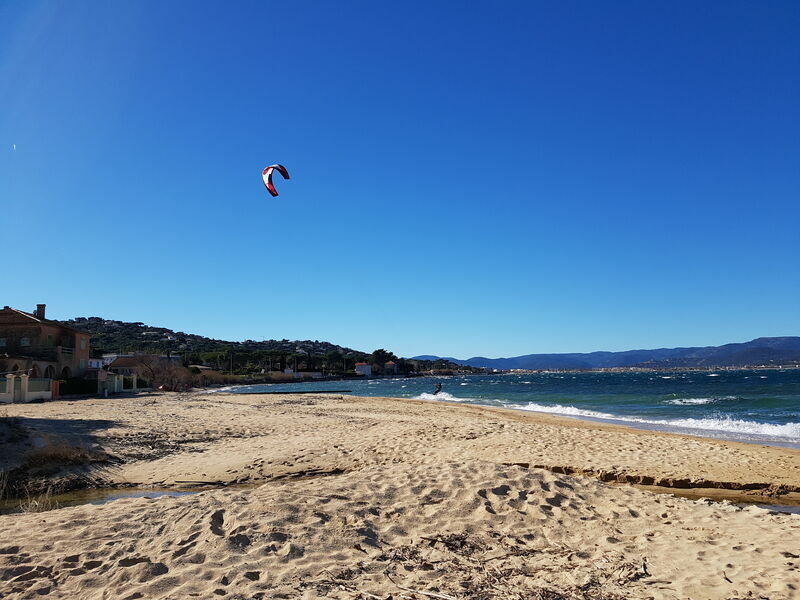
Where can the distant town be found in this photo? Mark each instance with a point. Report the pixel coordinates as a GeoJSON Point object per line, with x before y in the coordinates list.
{"type": "Point", "coordinates": [43, 359]}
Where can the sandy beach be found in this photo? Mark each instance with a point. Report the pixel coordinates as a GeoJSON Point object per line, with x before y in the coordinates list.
{"type": "Point", "coordinates": [330, 496]}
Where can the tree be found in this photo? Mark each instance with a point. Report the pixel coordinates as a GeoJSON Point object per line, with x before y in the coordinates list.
{"type": "Point", "coordinates": [161, 372]}
{"type": "Point", "coordinates": [380, 357]}
{"type": "Point", "coordinates": [333, 360]}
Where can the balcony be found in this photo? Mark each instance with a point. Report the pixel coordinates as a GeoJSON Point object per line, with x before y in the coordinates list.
{"type": "Point", "coordinates": [48, 353]}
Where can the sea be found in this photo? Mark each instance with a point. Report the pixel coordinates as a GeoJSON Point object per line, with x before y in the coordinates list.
{"type": "Point", "coordinates": [759, 406]}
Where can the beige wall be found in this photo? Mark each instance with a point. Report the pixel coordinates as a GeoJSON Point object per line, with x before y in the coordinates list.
{"type": "Point", "coordinates": [47, 343]}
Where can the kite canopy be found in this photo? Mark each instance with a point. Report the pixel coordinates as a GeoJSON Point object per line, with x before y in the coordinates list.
{"type": "Point", "coordinates": [266, 175]}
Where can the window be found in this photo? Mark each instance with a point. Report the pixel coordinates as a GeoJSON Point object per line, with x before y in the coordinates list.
{"type": "Point", "coordinates": [83, 343]}
{"type": "Point", "coordinates": [2, 342]}
{"type": "Point", "coordinates": [81, 364]}
{"type": "Point", "coordinates": [49, 340]}
{"type": "Point", "coordinates": [25, 342]}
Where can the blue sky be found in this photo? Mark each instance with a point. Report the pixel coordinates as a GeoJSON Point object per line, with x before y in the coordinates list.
{"type": "Point", "coordinates": [466, 180]}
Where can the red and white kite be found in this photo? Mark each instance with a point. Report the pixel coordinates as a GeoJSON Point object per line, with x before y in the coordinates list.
{"type": "Point", "coordinates": [266, 175]}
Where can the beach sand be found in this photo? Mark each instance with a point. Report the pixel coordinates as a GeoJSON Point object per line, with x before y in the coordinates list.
{"type": "Point", "coordinates": [344, 497]}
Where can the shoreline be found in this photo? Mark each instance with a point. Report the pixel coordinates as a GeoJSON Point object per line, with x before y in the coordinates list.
{"type": "Point", "coordinates": [725, 483]}
{"type": "Point", "coordinates": [718, 420]}
{"type": "Point", "coordinates": [642, 425]}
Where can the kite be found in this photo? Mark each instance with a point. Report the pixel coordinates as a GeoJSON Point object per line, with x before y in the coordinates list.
{"type": "Point", "coordinates": [266, 175]}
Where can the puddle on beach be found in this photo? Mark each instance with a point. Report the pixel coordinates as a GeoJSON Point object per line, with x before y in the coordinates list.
{"type": "Point", "coordinates": [103, 496]}
{"type": "Point", "coordinates": [759, 502]}
{"type": "Point", "coordinates": [95, 496]}
{"type": "Point", "coordinates": [781, 508]}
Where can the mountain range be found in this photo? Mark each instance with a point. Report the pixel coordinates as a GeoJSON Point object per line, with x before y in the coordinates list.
{"type": "Point", "coordinates": [760, 351]}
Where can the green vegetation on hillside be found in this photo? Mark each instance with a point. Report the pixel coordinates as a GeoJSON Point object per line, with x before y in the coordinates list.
{"type": "Point", "coordinates": [247, 357]}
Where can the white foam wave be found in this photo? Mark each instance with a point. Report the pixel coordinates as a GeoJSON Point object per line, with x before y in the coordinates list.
{"type": "Point", "coordinates": [443, 396]}
{"type": "Point", "coordinates": [565, 410]}
{"type": "Point", "coordinates": [226, 389]}
{"type": "Point", "coordinates": [690, 401]}
{"type": "Point", "coordinates": [787, 430]}
{"type": "Point", "coordinates": [723, 424]}
{"type": "Point", "coordinates": [713, 374]}
{"type": "Point", "coordinates": [694, 401]}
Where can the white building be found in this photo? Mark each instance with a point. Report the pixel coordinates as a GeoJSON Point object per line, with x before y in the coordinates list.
{"type": "Point", "coordinates": [364, 369]}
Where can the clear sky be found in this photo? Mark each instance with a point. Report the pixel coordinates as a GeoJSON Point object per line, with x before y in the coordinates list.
{"type": "Point", "coordinates": [467, 179]}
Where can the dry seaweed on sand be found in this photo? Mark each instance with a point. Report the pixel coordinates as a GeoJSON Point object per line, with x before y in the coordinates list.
{"type": "Point", "coordinates": [487, 566]}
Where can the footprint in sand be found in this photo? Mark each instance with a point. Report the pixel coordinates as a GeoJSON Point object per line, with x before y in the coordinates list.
{"type": "Point", "coordinates": [134, 560]}
{"type": "Point", "coordinates": [217, 519]}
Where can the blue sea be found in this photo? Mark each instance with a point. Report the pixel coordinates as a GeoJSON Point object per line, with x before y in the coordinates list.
{"type": "Point", "coordinates": [756, 406]}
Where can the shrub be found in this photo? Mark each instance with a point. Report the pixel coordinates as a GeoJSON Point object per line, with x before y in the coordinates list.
{"type": "Point", "coordinates": [34, 503]}
{"type": "Point", "coordinates": [60, 453]}
{"type": "Point", "coordinates": [77, 385]}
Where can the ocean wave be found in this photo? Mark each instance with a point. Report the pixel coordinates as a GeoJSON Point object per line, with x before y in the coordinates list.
{"type": "Point", "coordinates": [690, 401]}
{"type": "Point", "coordinates": [226, 390]}
{"type": "Point", "coordinates": [443, 396]}
{"type": "Point", "coordinates": [560, 409]}
{"type": "Point", "coordinates": [787, 430]}
{"type": "Point", "coordinates": [722, 424]}
{"type": "Point", "coordinates": [695, 401]}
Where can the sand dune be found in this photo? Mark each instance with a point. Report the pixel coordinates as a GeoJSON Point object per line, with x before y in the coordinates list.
{"type": "Point", "coordinates": [377, 498]}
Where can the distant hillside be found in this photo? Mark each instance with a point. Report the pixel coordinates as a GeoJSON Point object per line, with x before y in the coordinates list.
{"type": "Point", "coordinates": [118, 337]}
{"type": "Point", "coordinates": [761, 351]}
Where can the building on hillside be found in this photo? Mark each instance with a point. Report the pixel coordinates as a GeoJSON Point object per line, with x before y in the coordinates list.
{"type": "Point", "coordinates": [109, 359]}
{"type": "Point", "coordinates": [125, 365]}
{"type": "Point", "coordinates": [33, 345]}
{"type": "Point", "coordinates": [364, 369]}
{"type": "Point", "coordinates": [141, 363]}
{"type": "Point", "coordinates": [390, 368]}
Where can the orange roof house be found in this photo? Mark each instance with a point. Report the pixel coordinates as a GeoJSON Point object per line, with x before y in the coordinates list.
{"type": "Point", "coordinates": [363, 368]}
{"type": "Point", "coordinates": [33, 344]}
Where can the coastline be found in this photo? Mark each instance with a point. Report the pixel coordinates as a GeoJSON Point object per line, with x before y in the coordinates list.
{"type": "Point", "coordinates": [635, 424]}
{"type": "Point", "coordinates": [357, 487]}
{"type": "Point", "coordinates": [143, 442]}
{"type": "Point", "coordinates": [734, 406]}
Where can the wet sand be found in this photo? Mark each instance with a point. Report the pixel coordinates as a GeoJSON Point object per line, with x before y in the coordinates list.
{"type": "Point", "coordinates": [374, 497]}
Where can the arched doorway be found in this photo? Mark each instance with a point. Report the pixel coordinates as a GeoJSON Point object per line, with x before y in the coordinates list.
{"type": "Point", "coordinates": [50, 372]}
{"type": "Point", "coordinates": [35, 373]}
{"type": "Point", "coordinates": [66, 373]}
{"type": "Point", "coordinates": [14, 369]}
